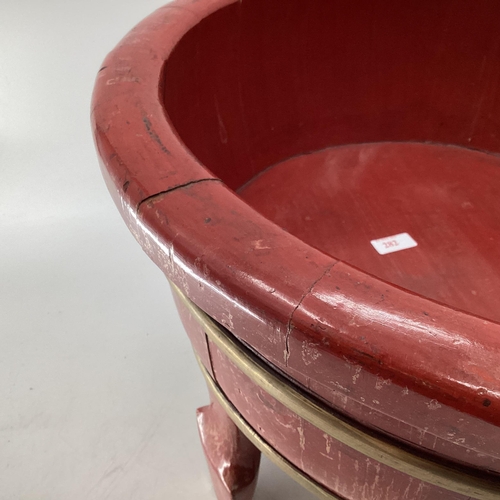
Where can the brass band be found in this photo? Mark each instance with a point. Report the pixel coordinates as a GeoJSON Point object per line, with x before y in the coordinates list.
{"type": "Point", "coordinates": [282, 390]}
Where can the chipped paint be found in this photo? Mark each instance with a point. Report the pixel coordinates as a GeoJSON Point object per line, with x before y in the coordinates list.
{"type": "Point", "coordinates": [380, 382]}
{"type": "Point", "coordinates": [433, 404]}
{"type": "Point", "coordinates": [227, 320]}
{"type": "Point", "coordinates": [328, 440]}
{"type": "Point", "coordinates": [258, 245]}
{"type": "Point", "coordinates": [309, 353]}
{"type": "Point", "coordinates": [302, 439]}
{"type": "Point", "coordinates": [357, 373]}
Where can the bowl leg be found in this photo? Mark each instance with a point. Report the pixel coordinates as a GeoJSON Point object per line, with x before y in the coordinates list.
{"type": "Point", "coordinates": [232, 459]}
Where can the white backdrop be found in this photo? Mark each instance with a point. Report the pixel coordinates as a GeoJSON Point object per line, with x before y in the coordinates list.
{"type": "Point", "coordinates": [98, 384]}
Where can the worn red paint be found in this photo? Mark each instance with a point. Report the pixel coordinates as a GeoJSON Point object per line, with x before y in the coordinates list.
{"type": "Point", "coordinates": [203, 96]}
{"type": "Point", "coordinates": [233, 460]}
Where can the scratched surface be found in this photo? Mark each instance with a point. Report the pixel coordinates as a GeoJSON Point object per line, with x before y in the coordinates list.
{"type": "Point", "coordinates": [444, 197]}
{"type": "Point", "coordinates": [98, 382]}
{"type": "Point", "coordinates": [335, 466]}
{"type": "Point", "coordinates": [248, 87]}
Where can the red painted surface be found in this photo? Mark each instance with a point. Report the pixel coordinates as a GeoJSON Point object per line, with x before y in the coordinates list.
{"type": "Point", "coordinates": [195, 333]}
{"type": "Point", "coordinates": [269, 80]}
{"type": "Point", "coordinates": [212, 247]}
{"type": "Point", "coordinates": [337, 467]}
{"type": "Point", "coordinates": [203, 96]}
{"type": "Point", "coordinates": [445, 197]}
{"type": "Point", "coordinates": [232, 459]}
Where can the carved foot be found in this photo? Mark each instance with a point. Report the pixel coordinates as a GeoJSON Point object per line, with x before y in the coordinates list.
{"type": "Point", "coordinates": [232, 459]}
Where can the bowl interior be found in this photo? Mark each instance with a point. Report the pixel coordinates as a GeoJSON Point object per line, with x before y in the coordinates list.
{"type": "Point", "coordinates": [350, 122]}
{"type": "Point", "coordinates": [258, 82]}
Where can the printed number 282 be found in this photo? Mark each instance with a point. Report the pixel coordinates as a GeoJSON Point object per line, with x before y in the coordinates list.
{"type": "Point", "coordinates": [391, 244]}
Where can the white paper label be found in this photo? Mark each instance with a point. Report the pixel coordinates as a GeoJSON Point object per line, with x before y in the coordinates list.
{"type": "Point", "coordinates": [394, 243]}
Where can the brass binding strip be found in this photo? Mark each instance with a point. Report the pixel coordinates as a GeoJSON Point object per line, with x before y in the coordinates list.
{"type": "Point", "coordinates": [281, 389]}
{"type": "Point", "coordinates": [262, 445]}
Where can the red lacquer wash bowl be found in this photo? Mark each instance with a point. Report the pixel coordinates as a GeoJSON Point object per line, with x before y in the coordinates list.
{"type": "Point", "coordinates": [319, 181]}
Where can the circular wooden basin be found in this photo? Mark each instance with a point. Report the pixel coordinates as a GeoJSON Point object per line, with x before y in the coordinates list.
{"type": "Point", "coordinates": [321, 178]}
